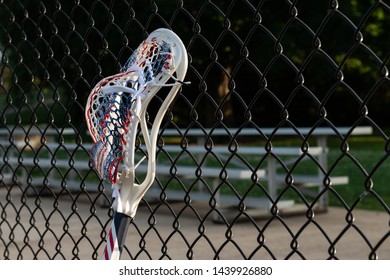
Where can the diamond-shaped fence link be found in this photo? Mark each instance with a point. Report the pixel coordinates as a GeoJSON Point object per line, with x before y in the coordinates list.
{"type": "Point", "coordinates": [278, 149]}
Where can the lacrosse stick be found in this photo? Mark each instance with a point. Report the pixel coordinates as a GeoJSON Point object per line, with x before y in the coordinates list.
{"type": "Point", "coordinates": [116, 107]}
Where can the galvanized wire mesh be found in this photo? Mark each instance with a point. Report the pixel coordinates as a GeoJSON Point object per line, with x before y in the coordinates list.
{"type": "Point", "coordinates": [257, 69]}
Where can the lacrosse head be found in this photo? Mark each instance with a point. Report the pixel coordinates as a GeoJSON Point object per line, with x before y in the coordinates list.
{"type": "Point", "coordinates": [118, 103]}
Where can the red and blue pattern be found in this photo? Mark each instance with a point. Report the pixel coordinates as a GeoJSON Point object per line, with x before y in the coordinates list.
{"type": "Point", "coordinates": [114, 109]}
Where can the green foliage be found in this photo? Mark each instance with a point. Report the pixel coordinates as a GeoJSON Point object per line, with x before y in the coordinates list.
{"type": "Point", "coordinates": [262, 60]}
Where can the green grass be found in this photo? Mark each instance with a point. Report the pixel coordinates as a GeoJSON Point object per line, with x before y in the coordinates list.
{"type": "Point", "coordinates": [365, 163]}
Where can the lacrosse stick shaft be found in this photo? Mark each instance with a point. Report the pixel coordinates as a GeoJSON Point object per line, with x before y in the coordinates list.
{"type": "Point", "coordinates": [116, 236]}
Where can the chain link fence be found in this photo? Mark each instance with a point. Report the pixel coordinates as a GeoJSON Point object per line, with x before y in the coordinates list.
{"type": "Point", "coordinates": [277, 150]}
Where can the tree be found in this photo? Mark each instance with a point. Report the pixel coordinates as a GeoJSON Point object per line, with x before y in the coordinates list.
{"type": "Point", "coordinates": [251, 62]}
